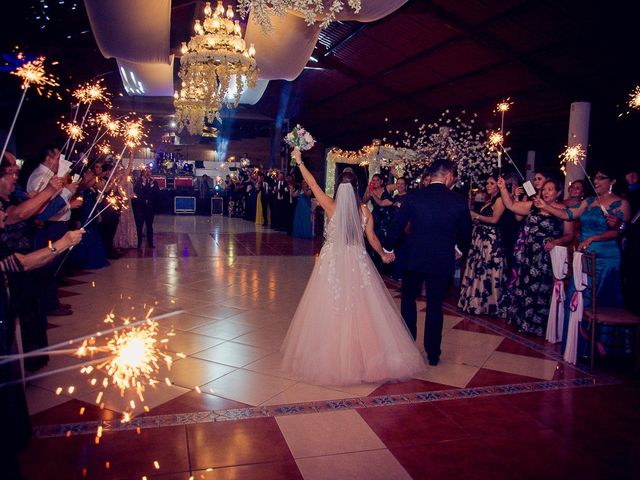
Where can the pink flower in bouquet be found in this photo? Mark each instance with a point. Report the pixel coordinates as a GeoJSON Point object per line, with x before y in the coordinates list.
{"type": "Point", "coordinates": [299, 138]}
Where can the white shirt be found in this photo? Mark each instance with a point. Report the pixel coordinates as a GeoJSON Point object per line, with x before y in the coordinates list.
{"type": "Point", "coordinates": [39, 180]}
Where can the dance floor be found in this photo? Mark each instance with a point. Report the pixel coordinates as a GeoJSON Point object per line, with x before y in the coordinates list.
{"type": "Point", "coordinates": [497, 406]}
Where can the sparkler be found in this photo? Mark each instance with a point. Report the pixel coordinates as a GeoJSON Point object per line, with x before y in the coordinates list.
{"type": "Point", "coordinates": [133, 133]}
{"type": "Point", "coordinates": [73, 130]}
{"type": "Point", "coordinates": [502, 108]}
{"type": "Point", "coordinates": [633, 103]}
{"type": "Point", "coordinates": [634, 100]}
{"type": "Point", "coordinates": [31, 73]}
{"type": "Point", "coordinates": [135, 352]}
{"type": "Point", "coordinates": [87, 94]}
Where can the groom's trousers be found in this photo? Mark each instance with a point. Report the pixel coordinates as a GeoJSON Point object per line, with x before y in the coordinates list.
{"type": "Point", "coordinates": [436, 289]}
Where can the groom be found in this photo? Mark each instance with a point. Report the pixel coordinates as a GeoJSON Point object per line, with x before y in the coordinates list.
{"type": "Point", "coordinates": [439, 220]}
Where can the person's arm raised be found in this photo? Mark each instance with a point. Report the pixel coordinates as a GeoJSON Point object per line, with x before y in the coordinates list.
{"type": "Point", "coordinates": [562, 213]}
{"type": "Point", "coordinates": [325, 201]}
{"type": "Point", "coordinates": [519, 208]}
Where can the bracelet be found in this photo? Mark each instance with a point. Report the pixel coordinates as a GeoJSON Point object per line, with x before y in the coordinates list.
{"type": "Point", "coordinates": [569, 213]}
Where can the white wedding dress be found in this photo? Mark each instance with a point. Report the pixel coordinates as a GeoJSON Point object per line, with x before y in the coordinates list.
{"type": "Point", "coordinates": [347, 328]}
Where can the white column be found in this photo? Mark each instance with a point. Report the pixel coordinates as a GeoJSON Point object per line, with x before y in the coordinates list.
{"type": "Point", "coordinates": [578, 134]}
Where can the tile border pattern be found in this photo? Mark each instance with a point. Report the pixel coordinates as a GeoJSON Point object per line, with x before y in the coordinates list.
{"type": "Point", "coordinates": [157, 421]}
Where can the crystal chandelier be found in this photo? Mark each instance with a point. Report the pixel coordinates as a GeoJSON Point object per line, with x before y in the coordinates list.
{"type": "Point", "coordinates": [322, 11]}
{"type": "Point", "coordinates": [215, 69]}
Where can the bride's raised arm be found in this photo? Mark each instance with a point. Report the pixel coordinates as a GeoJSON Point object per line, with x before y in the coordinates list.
{"type": "Point", "coordinates": [325, 201]}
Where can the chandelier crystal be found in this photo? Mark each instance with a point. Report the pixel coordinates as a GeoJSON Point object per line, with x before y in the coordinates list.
{"type": "Point", "coordinates": [323, 11]}
{"type": "Point", "coordinates": [216, 68]}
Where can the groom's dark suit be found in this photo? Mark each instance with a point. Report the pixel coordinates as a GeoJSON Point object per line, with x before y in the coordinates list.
{"type": "Point", "coordinates": [439, 220]}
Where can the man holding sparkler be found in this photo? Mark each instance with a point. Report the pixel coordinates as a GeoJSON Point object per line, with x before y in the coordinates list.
{"type": "Point", "coordinates": [55, 227]}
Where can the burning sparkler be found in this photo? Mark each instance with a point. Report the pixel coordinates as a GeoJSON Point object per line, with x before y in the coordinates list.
{"type": "Point", "coordinates": [88, 93]}
{"type": "Point", "coordinates": [31, 73]}
{"type": "Point", "coordinates": [104, 149]}
{"type": "Point", "coordinates": [502, 108]}
{"type": "Point", "coordinates": [73, 130]}
{"type": "Point", "coordinates": [133, 133]}
{"type": "Point", "coordinates": [495, 139]}
{"type": "Point", "coordinates": [134, 352]}
{"type": "Point", "coordinates": [574, 154]}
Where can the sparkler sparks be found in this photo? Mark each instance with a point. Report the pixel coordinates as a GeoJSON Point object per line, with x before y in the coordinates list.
{"type": "Point", "coordinates": [104, 149]}
{"type": "Point", "coordinates": [634, 98]}
{"type": "Point", "coordinates": [503, 106]}
{"type": "Point", "coordinates": [33, 73]}
{"type": "Point", "coordinates": [496, 138]}
{"type": "Point", "coordinates": [133, 132]}
{"type": "Point", "coordinates": [92, 92]}
{"type": "Point", "coordinates": [574, 154]}
{"type": "Point", "coordinates": [134, 355]}
{"type": "Point", "coordinates": [73, 130]}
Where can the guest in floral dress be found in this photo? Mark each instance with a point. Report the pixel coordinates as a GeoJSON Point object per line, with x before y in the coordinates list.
{"type": "Point", "coordinates": [482, 290]}
{"type": "Point", "coordinates": [531, 292]}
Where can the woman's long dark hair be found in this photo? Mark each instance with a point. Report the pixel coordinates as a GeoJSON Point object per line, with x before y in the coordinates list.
{"type": "Point", "coordinates": [347, 176]}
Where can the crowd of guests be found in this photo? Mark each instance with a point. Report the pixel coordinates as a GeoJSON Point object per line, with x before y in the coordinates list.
{"type": "Point", "coordinates": [43, 201]}
{"type": "Point", "coordinates": [276, 200]}
{"type": "Point", "coordinates": [507, 272]}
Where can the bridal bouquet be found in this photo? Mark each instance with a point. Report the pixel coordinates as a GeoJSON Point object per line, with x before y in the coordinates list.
{"type": "Point", "coordinates": [299, 138]}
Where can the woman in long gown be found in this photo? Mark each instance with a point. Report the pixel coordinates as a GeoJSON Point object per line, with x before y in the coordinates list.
{"type": "Point", "coordinates": [483, 282]}
{"type": "Point", "coordinates": [90, 254]}
{"type": "Point", "coordinates": [302, 218]}
{"type": "Point", "coordinates": [531, 293]}
{"type": "Point", "coordinates": [126, 235]}
{"type": "Point", "coordinates": [595, 214]}
{"type": "Point", "coordinates": [347, 328]}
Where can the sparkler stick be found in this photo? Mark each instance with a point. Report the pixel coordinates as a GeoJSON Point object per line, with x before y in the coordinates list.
{"type": "Point", "coordinates": [30, 73]}
{"type": "Point", "coordinates": [13, 123]}
{"type": "Point", "coordinates": [96, 216]}
{"type": "Point", "coordinates": [512, 162]}
{"type": "Point", "coordinates": [129, 361]}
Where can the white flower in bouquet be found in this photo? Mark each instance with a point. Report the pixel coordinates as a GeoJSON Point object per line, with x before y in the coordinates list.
{"type": "Point", "coordinates": [299, 138]}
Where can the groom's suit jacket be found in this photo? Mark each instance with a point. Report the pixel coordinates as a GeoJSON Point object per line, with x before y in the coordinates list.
{"type": "Point", "coordinates": [439, 220]}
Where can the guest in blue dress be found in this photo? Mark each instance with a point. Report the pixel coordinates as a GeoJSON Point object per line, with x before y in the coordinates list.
{"type": "Point", "coordinates": [598, 236]}
{"type": "Point", "coordinates": [302, 217]}
{"type": "Point", "coordinates": [90, 254]}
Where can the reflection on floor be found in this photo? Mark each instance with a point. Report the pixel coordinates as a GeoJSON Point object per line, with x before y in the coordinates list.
{"type": "Point", "coordinates": [497, 406]}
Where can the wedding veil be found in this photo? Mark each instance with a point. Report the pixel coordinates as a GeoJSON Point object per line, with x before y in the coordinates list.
{"type": "Point", "coordinates": [347, 218]}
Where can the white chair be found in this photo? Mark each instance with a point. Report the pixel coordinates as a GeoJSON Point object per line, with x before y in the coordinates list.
{"type": "Point", "coordinates": [560, 266]}
{"type": "Point", "coordinates": [576, 309]}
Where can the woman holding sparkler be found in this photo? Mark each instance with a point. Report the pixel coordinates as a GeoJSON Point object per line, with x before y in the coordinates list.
{"type": "Point", "coordinates": [596, 214]}
{"type": "Point", "coordinates": [90, 254]}
{"type": "Point", "coordinates": [533, 283]}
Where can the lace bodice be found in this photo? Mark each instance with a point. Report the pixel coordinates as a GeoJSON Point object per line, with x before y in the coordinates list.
{"type": "Point", "coordinates": [329, 230]}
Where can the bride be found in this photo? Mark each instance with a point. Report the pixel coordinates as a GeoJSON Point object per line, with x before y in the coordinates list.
{"type": "Point", "coordinates": [347, 328]}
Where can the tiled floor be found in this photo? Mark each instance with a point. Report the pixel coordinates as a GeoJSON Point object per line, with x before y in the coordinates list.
{"type": "Point", "coordinates": [497, 406]}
